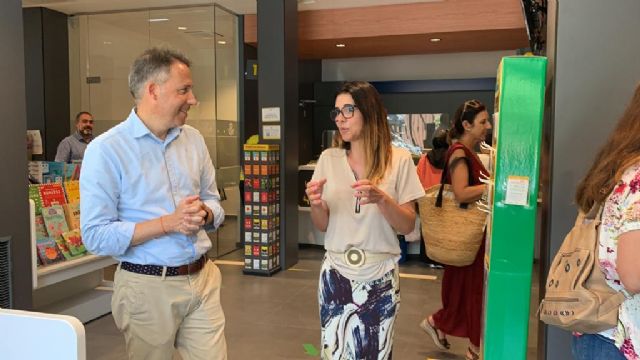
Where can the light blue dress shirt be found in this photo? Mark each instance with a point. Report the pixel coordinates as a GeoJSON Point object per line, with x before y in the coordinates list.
{"type": "Point", "coordinates": [129, 176]}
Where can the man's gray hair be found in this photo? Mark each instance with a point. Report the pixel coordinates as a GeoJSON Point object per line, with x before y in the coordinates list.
{"type": "Point", "coordinates": [154, 64]}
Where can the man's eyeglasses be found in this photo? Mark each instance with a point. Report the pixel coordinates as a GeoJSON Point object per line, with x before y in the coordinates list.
{"type": "Point", "coordinates": [347, 112]}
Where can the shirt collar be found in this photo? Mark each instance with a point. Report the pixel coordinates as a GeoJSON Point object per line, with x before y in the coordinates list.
{"type": "Point", "coordinates": [139, 129]}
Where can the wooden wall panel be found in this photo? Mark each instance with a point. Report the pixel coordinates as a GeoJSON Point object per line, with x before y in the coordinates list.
{"type": "Point", "coordinates": [464, 25]}
{"type": "Point", "coordinates": [485, 40]}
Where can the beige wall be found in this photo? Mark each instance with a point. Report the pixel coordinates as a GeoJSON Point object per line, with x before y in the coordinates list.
{"type": "Point", "coordinates": [414, 67]}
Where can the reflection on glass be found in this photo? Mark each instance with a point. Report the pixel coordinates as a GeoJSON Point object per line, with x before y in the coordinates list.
{"type": "Point", "coordinates": [415, 131]}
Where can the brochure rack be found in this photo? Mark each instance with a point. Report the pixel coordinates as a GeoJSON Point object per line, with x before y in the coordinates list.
{"type": "Point", "coordinates": [261, 213]}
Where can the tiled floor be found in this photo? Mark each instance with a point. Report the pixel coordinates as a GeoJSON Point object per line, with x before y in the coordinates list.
{"type": "Point", "coordinates": [274, 317]}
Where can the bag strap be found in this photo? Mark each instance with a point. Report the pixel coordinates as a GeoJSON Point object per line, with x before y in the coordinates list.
{"type": "Point", "coordinates": [445, 172]}
{"type": "Point", "coordinates": [595, 214]}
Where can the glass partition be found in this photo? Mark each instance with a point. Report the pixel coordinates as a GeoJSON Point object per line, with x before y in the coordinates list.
{"type": "Point", "coordinates": [226, 35]}
{"type": "Point", "coordinates": [102, 48]}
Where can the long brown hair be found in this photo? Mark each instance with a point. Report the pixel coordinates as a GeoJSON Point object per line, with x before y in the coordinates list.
{"type": "Point", "coordinates": [621, 150]}
{"type": "Point", "coordinates": [375, 130]}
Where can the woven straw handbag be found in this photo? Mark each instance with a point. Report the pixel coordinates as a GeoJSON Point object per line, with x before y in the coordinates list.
{"type": "Point", "coordinates": [452, 232]}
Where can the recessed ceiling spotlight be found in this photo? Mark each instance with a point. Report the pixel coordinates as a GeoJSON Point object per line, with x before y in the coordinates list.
{"type": "Point", "coordinates": [182, 28]}
{"type": "Point", "coordinates": [435, 40]}
{"type": "Point", "coordinates": [222, 42]}
{"type": "Point", "coordinates": [158, 19]}
{"type": "Point", "coordinates": [341, 45]}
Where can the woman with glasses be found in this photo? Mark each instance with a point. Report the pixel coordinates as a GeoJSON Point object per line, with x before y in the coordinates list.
{"type": "Point", "coordinates": [362, 194]}
{"type": "Point", "coordinates": [462, 287]}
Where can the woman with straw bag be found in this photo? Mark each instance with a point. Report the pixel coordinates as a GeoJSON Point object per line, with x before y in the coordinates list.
{"type": "Point", "coordinates": [462, 286]}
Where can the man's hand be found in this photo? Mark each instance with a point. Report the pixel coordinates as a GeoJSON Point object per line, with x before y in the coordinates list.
{"type": "Point", "coordinates": [189, 215]}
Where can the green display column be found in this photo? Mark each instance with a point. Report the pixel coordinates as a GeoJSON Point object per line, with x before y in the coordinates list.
{"type": "Point", "coordinates": [520, 91]}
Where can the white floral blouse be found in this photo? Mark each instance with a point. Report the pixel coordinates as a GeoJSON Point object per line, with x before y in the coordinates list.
{"type": "Point", "coordinates": [621, 214]}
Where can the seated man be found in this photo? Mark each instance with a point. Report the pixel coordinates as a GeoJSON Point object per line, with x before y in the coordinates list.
{"type": "Point", "coordinates": [73, 146]}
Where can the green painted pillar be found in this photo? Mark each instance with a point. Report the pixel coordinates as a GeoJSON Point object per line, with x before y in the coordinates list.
{"type": "Point", "coordinates": [520, 91]}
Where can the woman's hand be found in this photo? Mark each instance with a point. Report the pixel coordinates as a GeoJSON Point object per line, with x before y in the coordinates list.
{"type": "Point", "coordinates": [400, 216]}
{"type": "Point", "coordinates": [314, 192]}
{"type": "Point", "coordinates": [368, 192]}
{"type": "Point", "coordinates": [319, 207]}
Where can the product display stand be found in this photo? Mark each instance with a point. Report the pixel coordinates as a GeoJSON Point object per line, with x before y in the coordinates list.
{"type": "Point", "coordinates": [261, 213]}
{"type": "Point", "coordinates": [513, 200]}
{"type": "Point", "coordinates": [73, 287]}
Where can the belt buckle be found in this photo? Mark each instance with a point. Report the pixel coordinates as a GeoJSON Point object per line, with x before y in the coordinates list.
{"type": "Point", "coordinates": [354, 257]}
{"type": "Point", "coordinates": [195, 266]}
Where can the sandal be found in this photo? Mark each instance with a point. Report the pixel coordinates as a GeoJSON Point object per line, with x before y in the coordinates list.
{"type": "Point", "coordinates": [472, 355]}
{"type": "Point", "coordinates": [440, 342]}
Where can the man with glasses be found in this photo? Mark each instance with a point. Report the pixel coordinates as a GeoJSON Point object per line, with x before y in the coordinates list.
{"type": "Point", "coordinates": [149, 196]}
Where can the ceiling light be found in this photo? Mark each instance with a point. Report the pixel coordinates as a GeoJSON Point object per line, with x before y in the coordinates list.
{"type": "Point", "coordinates": [435, 40]}
{"type": "Point", "coordinates": [182, 28]}
{"type": "Point", "coordinates": [341, 45]}
{"type": "Point", "coordinates": [222, 42]}
{"type": "Point", "coordinates": [306, 2]}
{"type": "Point", "coordinates": [158, 19]}
{"type": "Point", "coordinates": [107, 42]}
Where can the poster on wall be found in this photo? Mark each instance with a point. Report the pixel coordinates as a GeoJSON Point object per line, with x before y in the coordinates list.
{"type": "Point", "coordinates": [270, 114]}
{"type": "Point", "coordinates": [271, 132]}
{"type": "Point", "coordinates": [415, 131]}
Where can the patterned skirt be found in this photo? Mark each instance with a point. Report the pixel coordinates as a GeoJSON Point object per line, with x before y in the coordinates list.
{"type": "Point", "coordinates": [357, 317]}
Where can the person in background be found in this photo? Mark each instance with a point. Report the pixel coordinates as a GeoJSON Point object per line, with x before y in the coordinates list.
{"type": "Point", "coordinates": [612, 181]}
{"type": "Point", "coordinates": [72, 147]}
{"type": "Point", "coordinates": [149, 196]}
{"type": "Point", "coordinates": [430, 165]}
{"type": "Point", "coordinates": [463, 287]}
{"type": "Point", "coordinates": [362, 193]}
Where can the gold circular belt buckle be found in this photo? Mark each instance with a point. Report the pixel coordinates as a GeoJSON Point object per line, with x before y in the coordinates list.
{"type": "Point", "coordinates": [354, 257]}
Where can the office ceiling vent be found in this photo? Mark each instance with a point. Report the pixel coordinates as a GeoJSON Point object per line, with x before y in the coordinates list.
{"type": "Point", "coordinates": [5, 273]}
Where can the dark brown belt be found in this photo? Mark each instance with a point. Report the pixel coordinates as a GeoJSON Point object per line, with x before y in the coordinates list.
{"type": "Point", "coordinates": [156, 270]}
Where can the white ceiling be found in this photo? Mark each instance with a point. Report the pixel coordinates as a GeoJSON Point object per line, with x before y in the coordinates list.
{"type": "Point", "coordinates": [238, 6]}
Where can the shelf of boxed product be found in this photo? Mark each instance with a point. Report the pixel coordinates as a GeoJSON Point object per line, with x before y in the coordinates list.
{"type": "Point", "coordinates": [71, 284]}
{"type": "Point", "coordinates": [55, 273]}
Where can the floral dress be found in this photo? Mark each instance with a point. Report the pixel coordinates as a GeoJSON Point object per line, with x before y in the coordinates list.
{"type": "Point", "coordinates": [620, 215]}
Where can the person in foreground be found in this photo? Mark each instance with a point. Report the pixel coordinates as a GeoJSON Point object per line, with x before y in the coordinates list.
{"type": "Point", "coordinates": [362, 193]}
{"type": "Point", "coordinates": [148, 197]}
{"type": "Point", "coordinates": [72, 147]}
{"type": "Point", "coordinates": [613, 181]}
{"type": "Point", "coordinates": [462, 287]}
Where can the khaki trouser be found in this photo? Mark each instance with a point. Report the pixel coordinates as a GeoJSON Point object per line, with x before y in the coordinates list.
{"type": "Point", "coordinates": [159, 314]}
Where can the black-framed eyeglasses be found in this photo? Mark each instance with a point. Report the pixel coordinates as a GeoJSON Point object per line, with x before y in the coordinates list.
{"type": "Point", "coordinates": [347, 112]}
